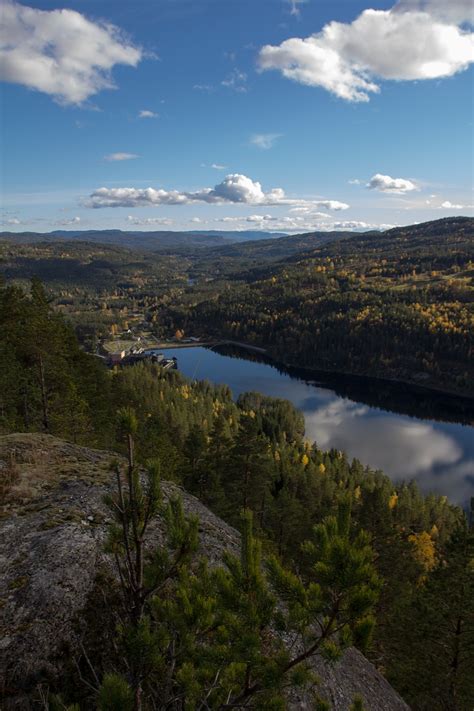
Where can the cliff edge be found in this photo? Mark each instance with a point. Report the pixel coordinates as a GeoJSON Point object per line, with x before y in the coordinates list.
{"type": "Point", "coordinates": [52, 531]}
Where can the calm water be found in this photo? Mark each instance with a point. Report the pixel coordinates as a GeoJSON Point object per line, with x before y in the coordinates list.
{"type": "Point", "coordinates": [384, 425]}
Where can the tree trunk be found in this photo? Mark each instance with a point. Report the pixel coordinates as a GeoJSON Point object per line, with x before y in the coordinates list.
{"type": "Point", "coordinates": [44, 397]}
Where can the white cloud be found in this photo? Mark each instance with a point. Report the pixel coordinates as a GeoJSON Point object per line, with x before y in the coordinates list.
{"type": "Point", "coordinates": [120, 156]}
{"type": "Point", "coordinates": [387, 184]}
{"type": "Point", "coordinates": [60, 52]}
{"type": "Point", "coordinates": [235, 188]}
{"type": "Point", "coordinates": [309, 211]}
{"type": "Point", "coordinates": [215, 166]}
{"type": "Point", "coordinates": [457, 11]}
{"type": "Point", "coordinates": [345, 58]}
{"type": "Point", "coordinates": [11, 221]}
{"type": "Point", "coordinates": [264, 140]}
{"type": "Point", "coordinates": [149, 220]}
{"type": "Point", "coordinates": [351, 225]}
{"type": "Point", "coordinates": [69, 221]}
{"type": "Point", "coordinates": [447, 205]}
{"type": "Point", "coordinates": [309, 207]}
{"type": "Point", "coordinates": [236, 81]}
{"type": "Point", "coordinates": [355, 181]}
{"type": "Point", "coordinates": [331, 205]}
{"type": "Point", "coordinates": [261, 218]}
{"type": "Point", "coordinates": [203, 87]}
{"type": "Point", "coordinates": [312, 222]}
{"type": "Point", "coordinates": [294, 9]}
{"type": "Point", "coordinates": [145, 113]}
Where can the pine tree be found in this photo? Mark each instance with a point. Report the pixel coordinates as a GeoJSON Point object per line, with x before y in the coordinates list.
{"type": "Point", "coordinates": [248, 478]}
{"type": "Point", "coordinates": [195, 637]}
{"type": "Point", "coordinates": [434, 657]}
{"type": "Point", "coordinates": [142, 576]}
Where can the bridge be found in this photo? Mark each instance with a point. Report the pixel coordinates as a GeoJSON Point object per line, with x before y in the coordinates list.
{"type": "Point", "coordinates": [164, 345]}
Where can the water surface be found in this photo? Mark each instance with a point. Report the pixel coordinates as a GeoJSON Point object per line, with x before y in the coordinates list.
{"type": "Point", "coordinates": [408, 432]}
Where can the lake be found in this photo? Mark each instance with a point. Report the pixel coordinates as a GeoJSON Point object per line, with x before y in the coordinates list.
{"type": "Point", "coordinates": [408, 432]}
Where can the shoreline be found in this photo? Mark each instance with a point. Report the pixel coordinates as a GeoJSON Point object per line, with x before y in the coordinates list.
{"type": "Point", "coordinates": [382, 379]}
{"type": "Point", "coordinates": [313, 372]}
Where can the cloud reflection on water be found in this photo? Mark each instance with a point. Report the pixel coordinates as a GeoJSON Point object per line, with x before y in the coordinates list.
{"type": "Point", "coordinates": [403, 447]}
{"type": "Point", "coordinates": [440, 456]}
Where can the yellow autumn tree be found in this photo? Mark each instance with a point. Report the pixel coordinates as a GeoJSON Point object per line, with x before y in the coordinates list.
{"type": "Point", "coordinates": [424, 550]}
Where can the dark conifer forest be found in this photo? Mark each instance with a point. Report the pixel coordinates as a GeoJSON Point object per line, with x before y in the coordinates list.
{"type": "Point", "coordinates": [348, 553]}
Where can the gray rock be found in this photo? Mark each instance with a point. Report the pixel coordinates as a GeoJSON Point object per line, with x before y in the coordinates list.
{"type": "Point", "coordinates": [51, 546]}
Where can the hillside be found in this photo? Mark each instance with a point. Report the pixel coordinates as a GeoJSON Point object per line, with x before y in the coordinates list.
{"type": "Point", "coordinates": [152, 241]}
{"type": "Point", "coordinates": [398, 305]}
{"type": "Point", "coordinates": [146, 241]}
{"type": "Point", "coordinates": [85, 265]}
{"type": "Point", "coordinates": [241, 260]}
{"type": "Point", "coordinates": [247, 455]}
{"type": "Point", "coordinates": [95, 285]}
{"type": "Point", "coordinates": [55, 522]}
{"type": "Point", "coordinates": [450, 235]}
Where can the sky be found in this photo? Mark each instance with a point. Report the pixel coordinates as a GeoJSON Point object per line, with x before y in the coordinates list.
{"type": "Point", "coordinates": [276, 115]}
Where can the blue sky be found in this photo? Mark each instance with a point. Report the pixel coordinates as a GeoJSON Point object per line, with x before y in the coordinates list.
{"type": "Point", "coordinates": [235, 114]}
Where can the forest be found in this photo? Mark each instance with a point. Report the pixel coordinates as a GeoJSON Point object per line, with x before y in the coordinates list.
{"type": "Point", "coordinates": [397, 304]}
{"type": "Point", "coordinates": [400, 563]}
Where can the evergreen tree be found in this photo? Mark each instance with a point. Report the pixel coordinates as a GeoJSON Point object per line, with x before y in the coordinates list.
{"type": "Point", "coordinates": [434, 657]}
{"type": "Point", "coordinates": [247, 480]}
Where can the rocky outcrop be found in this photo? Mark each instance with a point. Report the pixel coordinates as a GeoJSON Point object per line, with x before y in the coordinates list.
{"type": "Point", "coordinates": [51, 547]}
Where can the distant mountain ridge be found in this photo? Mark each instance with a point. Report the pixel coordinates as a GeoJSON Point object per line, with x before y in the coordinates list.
{"type": "Point", "coordinates": [252, 245]}
{"type": "Point", "coordinates": [159, 240]}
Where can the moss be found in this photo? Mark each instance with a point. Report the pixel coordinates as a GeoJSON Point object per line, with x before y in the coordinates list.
{"type": "Point", "coordinates": [23, 627]}
{"type": "Point", "coordinates": [18, 583]}
{"type": "Point", "coordinates": [50, 523]}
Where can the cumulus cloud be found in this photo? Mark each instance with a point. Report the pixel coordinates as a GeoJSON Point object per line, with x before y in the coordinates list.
{"type": "Point", "coordinates": [345, 59]}
{"type": "Point", "coordinates": [120, 156]}
{"type": "Point", "coordinates": [447, 205]}
{"type": "Point", "coordinates": [145, 113]}
{"type": "Point", "coordinates": [261, 218]}
{"type": "Point", "coordinates": [264, 140]}
{"type": "Point", "coordinates": [235, 188]}
{"type": "Point", "coordinates": [60, 52]}
{"type": "Point", "coordinates": [331, 205]}
{"type": "Point", "coordinates": [387, 184]}
{"type": "Point", "coordinates": [11, 221]}
{"type": "Point", "coordinates": [457, 11]}
{"type": "Point", "coordinates": [358, 225]}
{"type": "Point", "coordinates": [313, 222]}
{"type": "Point", "coordinates": [149, 220]}
{"type": "Point", "coordinates": [69, 221]}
